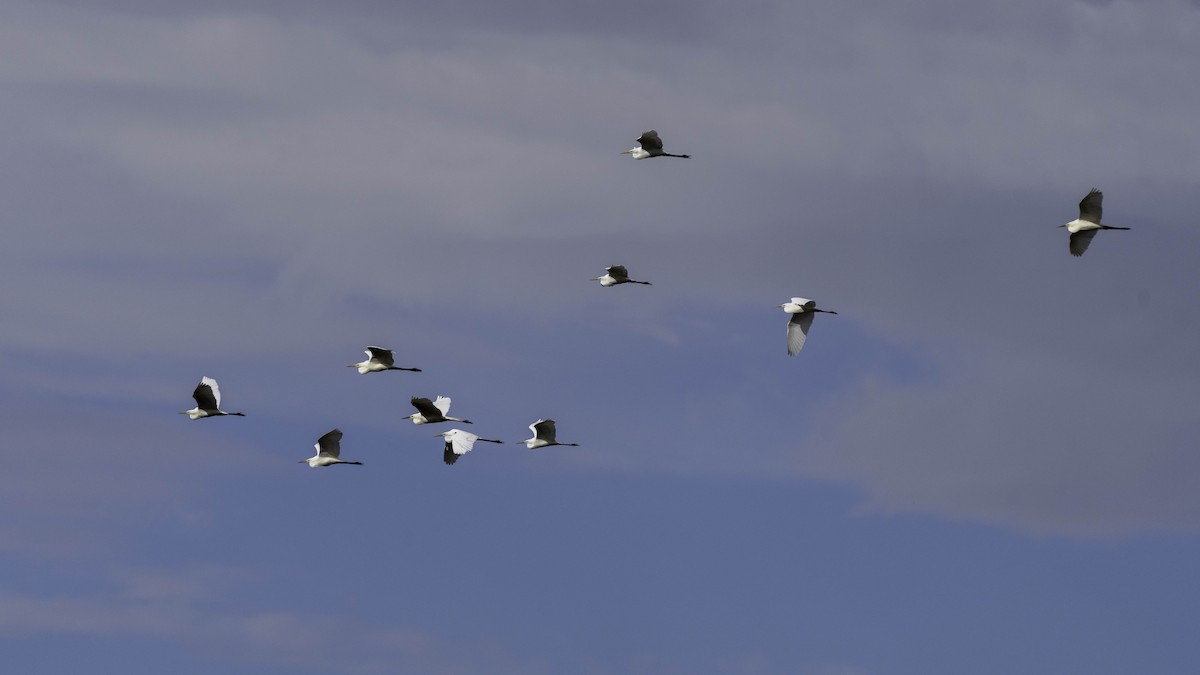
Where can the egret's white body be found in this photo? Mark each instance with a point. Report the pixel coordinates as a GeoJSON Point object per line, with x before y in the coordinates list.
{"type": "Point", "coordinates": [329, 450]}
{"type": "Point", "coordinates": [617, 274]}
{"type": "Point", "coordinates": [802, 310]}
{"type": "Point", "coordinates": [432, 412]}
{"type": "Point", "coordinates": [1086, 226]}
{"type": "Point", "coordinates": [650, 145]}
{"type": "Point", "coordinates": [378, 359]}
{"type": "Point", "coordinates": [208, 401]}
{"type": "Point", "coordinates": [459, 443]}
{"type": "Point", "coordinates": [544, 434]}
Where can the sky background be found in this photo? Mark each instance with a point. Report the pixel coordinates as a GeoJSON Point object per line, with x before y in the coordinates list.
{"type": "Point", "coordinates": [986, 463]}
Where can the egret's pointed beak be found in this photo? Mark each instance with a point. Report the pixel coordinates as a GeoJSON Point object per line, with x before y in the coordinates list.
{"type": "Point", "coordinates": [627, 152]}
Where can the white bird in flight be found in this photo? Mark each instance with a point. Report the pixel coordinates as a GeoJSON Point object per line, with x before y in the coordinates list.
{"type": "Point", "coordinates": [543, 435]}
{"type": "Point", "coordinates": [329, 450]}
{"type": "Point", "coordinates": [459, 443]}
{"type": "Point", "coordinates": [1086, 226]}
{"type": "Point", "coordinates": [208, 401]}
{"type": "Point", "coordinates": [802, 310]}
{"type": "Point", "coordinates": [378, 359]}
{"type": "Point", "coordinates": [617, 274]}
{"type": "Point", "coordinates": [432, 412]}
{"type": "Point", "coordinates": [650, 145]}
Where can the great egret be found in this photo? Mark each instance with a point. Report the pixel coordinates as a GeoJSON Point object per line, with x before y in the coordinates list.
{"type": "Point", "coordinates": [543, 435]}
{"type": "Point", "coordinates": [432, 412]}
{"type": "Point", "coordinates": [617, 274]}
{"type": "Point", "coordinates": [378, 359]}
{"type": "Point", "coordinates": [1086, 226]}
{"type": "Point", "coordinates": [650, 145]}
{"type": "Point", "coordinates": [329, 449]}
{"type": "Point", "coordinates": [458, 443]}
{"type": "Point", "coordinates": [802, 310]}
{"type": "Point", "coordinates": [208, 401]}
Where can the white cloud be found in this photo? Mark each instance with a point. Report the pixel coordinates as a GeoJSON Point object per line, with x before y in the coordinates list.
{"type": "Point", "coordinates": [291, 183]}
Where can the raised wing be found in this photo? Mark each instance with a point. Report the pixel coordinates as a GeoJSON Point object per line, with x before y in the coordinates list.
{"type": "Point", "coordinates": [426, 407]}
{"type": "Point", "coordinates": [650, 141]}
{"type": "Point", "coordinates": [544, 429]}
{"type": "Point", "coordinates": [381, 355]}
{"type": "Point", "coordinates": [1090, 209]}
{"type": "Point", "coordinates": [442, 403]}
{"type": "Point", "coordinates": [1080, 241]}
{"type": "Point", "coordinates": [617, 272]}
{"type": "Point", "coordinates": [207, 394]}
{"type": "Point", "coordinates": [804, 302]}
{"type": "Point", "coordinates": [797, 330]}
{"type": "Point", "coordinates": [330, 444]}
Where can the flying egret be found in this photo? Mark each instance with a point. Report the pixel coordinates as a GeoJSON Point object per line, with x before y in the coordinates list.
{"type": "Point", "coordinates": [543, 435]}
{"type": "Point", "coordinates": [208, 401]}
{"type": "Point", "coordinates": [802, 310]}
{"type": "Point", "coordinates": [617, 274]}
{"type": "Point", "coordinates": [378, 359]}
{"type": "Point", "coordinates": [650, 145]}
{"type": "Point", "coordinates": [432, 412]}
{"type": "Point", "coordinates": [1086, 226]}
{"type": "Point", "coordinates": [329, 449]}
{"type": "Point", "coordinates": [459, 443]}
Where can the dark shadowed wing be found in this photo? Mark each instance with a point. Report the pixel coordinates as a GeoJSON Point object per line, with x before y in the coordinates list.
{"type": "Point", "coordinates": [650, 141]}
{"type": "Point", "coordinates": [1090, 210]}
{"type": "Point", "coordinates": [206, 394]}
{"type": "Point", "coordinates": [544, 429]}
{"type": "Point", "coordinates": [426, 408]}
{"type": "Point", "coordinates": [381, 355]}
{"type": "Point", "coordinates": [448, 455]}
{"type": "Point", "coordinates": [330, 444]}
{"type": "Point", "coordinates": [617, 272]}
{"type": "Point", "coordinates": [1080, 241]}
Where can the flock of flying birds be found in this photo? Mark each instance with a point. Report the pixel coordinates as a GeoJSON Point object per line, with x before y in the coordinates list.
{"type": "Point", "coordinates": [458, 442]}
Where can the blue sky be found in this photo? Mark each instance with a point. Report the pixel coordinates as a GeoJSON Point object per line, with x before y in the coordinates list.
{"type": "Point", "coordinates": [984, 463]}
